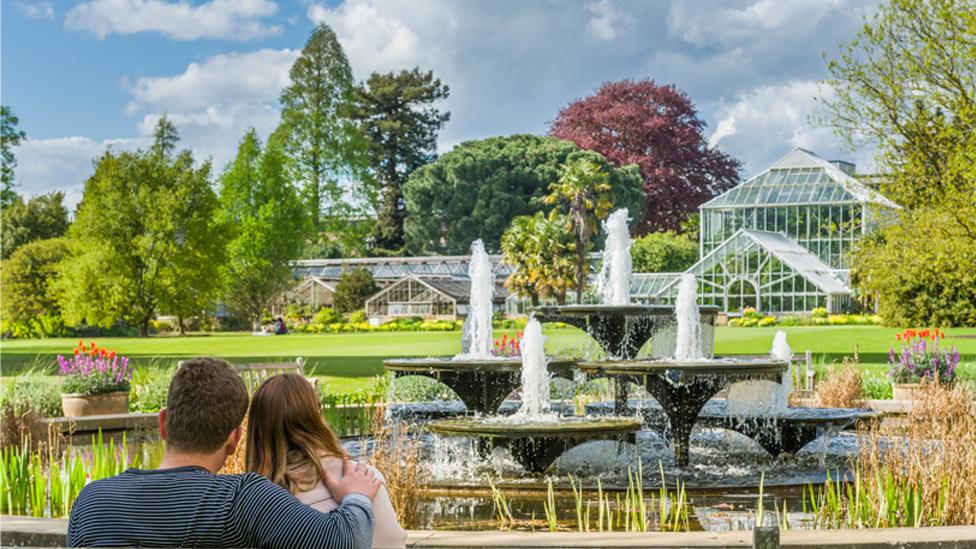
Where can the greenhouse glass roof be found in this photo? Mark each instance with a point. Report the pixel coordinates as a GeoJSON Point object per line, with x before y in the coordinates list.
{"type": "Point", "coordinates": [800, 177]}
{"type": "Point", "coordinates": [790, 253]}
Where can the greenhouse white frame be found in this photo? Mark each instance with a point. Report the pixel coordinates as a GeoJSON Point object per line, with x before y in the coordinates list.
{"type": "Point", "coordinates": [780, 241]}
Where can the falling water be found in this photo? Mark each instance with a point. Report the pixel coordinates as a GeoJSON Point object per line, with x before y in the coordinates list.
{"type": "Point", "coordinates": [613, 281]}
{"type": "Point", "coordinates": [764, 398]}
{"type": "Point", "coordinates": [480, 306]}
{"type": "Point", "coordinates": [688, 345]}
{"type": "Point", "coordinates": [535, 373]}
{"type": "Point", "coordinates": [781, 351]}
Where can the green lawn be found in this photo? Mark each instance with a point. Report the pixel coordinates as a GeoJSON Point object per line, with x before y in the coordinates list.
{"type": "Point", "coordinates": [346, 361]}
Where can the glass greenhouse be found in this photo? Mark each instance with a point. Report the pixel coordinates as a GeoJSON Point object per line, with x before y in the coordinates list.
{"type": "Point", "coordinates": [781, 241]}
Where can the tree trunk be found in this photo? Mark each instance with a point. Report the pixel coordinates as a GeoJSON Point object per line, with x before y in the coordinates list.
{"type": "Point", "coordinates": [180, 329]}
{"type": "Point", "coordinates": [144, 327]}
{"type": "Point", "coordinates": [535, 299]}
{"type": "Point", "coordinates": [580, 258]}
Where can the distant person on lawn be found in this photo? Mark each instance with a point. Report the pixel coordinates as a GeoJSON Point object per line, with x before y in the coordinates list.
{"type": "Point", "coordinates": [185, 503]}
{"type": "Point", "coordinates": [289, 442]}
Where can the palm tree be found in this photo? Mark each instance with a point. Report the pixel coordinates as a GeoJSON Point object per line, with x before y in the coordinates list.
{"type": "Point", "coordinates": [582, 198]}
{"type": "Point", "coordinates": [539, 249]}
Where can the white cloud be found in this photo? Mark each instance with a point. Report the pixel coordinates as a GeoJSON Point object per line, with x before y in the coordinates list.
{"type": "Point", "coordinates": [215, 101]}
{"type": "Point", "coordinates": [385, 35]}
{"type": "Point", "coordinates": [227, 19]}
{"type": "Point", "coordinates": [37, 10]}
{"type": "Point", "coordinates": [712, 23]}
{"type": "Point", "coordinates": [224, 78]}
{"type": "Point", "coordinates": [607, 20]}
{"type": "Point", "coordinates": [764, 123]}
{"type": "Point", "coordinates": [45, 165]}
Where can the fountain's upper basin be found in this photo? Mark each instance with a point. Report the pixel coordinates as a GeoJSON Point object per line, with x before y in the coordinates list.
{"type": "Point", "coordinates": [714, 366]}
{"type": "Point", "coordinates": [515, 427]}
{"type": "Point", "coordinates": [449, 364]}
{"type": "Point", "coordinates": [623, 310]}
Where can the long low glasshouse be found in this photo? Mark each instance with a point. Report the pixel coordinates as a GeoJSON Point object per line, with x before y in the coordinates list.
{"type": "Point", "coordinates": [778, 242]}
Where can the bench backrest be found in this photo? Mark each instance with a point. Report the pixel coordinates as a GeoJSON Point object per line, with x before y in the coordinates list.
{"type": "Point", "coordinates": [255, 374]}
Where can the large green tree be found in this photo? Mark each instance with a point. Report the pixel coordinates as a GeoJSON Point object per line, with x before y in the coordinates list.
{"type": "Point", "coordinates": [396, 113]}
{"type": "Point", "coordinates": [144, 240]}
{"type": "Point", "coordinates": [40, 217]}
{"type": "Point", "coordinates": [30, 304]}
{"type": "Point", "coordinates": [326, 151]}
{"type": "Point", "coordinates": [907, 85]}
{"type": "Point", "coordinates": [475, 190]}
{"type": "Point", "coordinates": [266, 220]}
{"type": "Point", "coordinates": [10, 137]}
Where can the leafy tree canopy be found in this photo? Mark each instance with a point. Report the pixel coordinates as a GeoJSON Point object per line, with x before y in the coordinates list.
{"type": "Point", "coordinates": [10, 137]}
{"type": "Point", "coordinates": [476, 190]}
{"type": "Point", "coordinates": [326, 152]}
{"type": "Point", "coordinates": [657, 128]}
{"type": "Point", "coordinates": [266, 222]}
{"type": "Point", "coordinates": [396, 114]}
{"type": "Point", "coordinates": [143, 240]}
{"type": "Point", "coordinates": [41, 217]}
{"type": "Point", "coordinates": [352, 290]}
{"type": "Point", "coordinates": [907, 85]}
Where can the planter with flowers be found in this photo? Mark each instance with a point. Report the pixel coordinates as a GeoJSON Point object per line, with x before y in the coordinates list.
{"type": "Point", "coordinates": [96, 382]}
{"type": "Point", "coordinates": [920, 363]}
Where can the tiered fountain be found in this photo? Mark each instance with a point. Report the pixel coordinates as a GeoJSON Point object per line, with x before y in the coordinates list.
{"type": "Point", "coordinates": [678, 370]}
{"type": "Point", "coordinates": [480, 379]}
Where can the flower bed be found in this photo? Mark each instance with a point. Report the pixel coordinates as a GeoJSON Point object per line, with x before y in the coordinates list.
{"type": "Point", "coordinates": [818, 317]}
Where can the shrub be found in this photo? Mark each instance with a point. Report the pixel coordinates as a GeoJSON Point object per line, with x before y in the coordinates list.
{"type": "Point", "coordinates": [326, 315]}
{"type": "Point", "coordinates": [665, 252]}
{"type": "Point", "coordinates": [150, 385]}
{"type": "Point", "coordinates": [29, 302]}
{"type": "Point", "coordinates": [842, 387]}
{"type": "Point", "coordinates": [32, 391]}
{"type": "Point", "coordinates": [352, 290]}
{"type": "Point", "coordinates": [420, 389]}
{"type": "Point", "coordinates": [357, 317]}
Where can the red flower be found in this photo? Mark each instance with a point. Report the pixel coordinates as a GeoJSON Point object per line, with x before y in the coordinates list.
{"type": "Point", "coordinates": [898, 337]}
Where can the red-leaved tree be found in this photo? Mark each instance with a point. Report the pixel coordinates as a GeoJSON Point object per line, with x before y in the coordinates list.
{"type": "Point", "coordinates": [657, 128]}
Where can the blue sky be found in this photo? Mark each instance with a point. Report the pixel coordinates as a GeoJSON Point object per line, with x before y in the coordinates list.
{"type": "Point", "coordinates": [86, 75]}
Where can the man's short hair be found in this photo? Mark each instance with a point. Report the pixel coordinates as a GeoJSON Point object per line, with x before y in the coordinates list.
{"type": "Point", "coordinates": [207, 400]}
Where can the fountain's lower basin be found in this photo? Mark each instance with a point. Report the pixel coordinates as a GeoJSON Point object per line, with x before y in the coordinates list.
{"type": "Point", "coordinates": [683, 387]}
{"type": "Point", "coordinates": [786, 431]}
{"type": "Point", "coordinates": [535, 445]}
{"type": "Point", "coordinates": [482, 384]}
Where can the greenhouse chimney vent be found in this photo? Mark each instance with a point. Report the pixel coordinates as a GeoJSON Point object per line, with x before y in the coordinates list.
{"type": "Point", "coordinates": [844, 166]}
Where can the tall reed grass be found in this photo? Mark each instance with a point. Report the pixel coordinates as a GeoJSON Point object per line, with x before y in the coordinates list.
{"type": "Point", "coordinates": [634, 510]}
{"type": "Point", "coordinates": [45, 483]}
{"type": "Point", "coordinates": [398, 457]}
{"type": "Point", "coordinates": [922, 474]}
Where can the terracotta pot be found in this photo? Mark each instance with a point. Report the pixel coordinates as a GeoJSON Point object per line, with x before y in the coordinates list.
{"type": "Point", "coordinates": [906, 391]}
{"type": "Point", "coordinates": [77, 404]}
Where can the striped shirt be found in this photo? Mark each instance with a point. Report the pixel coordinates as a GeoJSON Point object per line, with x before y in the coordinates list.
{"type": "Point", "coordinates": [192, 507]}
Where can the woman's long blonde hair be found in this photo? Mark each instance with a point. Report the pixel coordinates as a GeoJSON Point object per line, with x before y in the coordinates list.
{"type": "Point", "coordinates": [287, 437]}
